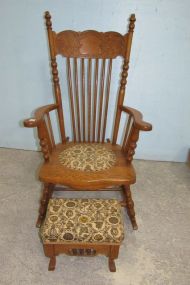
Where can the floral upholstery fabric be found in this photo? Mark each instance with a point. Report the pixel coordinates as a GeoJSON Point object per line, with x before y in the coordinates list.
{"type": "Point", "coordinates": [82, 220]}
{"type": "Point", "coordinates": [87, 157]}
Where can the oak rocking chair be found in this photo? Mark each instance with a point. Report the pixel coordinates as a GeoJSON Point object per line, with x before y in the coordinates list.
{"type": "Point", "coordinates": [88, 161]}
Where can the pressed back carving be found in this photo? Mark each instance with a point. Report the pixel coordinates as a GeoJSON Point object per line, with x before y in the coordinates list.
{"type": "Point", "coordinates": [89, 55]}
{"type": "Point", "coordinates": [90, 44]}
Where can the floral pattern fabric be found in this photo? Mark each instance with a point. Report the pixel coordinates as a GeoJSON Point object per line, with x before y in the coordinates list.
{"type": "Point", "coordinates": [87, 157]}
{"type": "Point", "coordinates": [82, 220]}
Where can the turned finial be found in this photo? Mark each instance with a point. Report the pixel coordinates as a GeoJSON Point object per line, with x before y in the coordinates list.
{"type": "Point", "coordinates": [132, 23]}
{"type": "Point", "coordinates": [48, 20]}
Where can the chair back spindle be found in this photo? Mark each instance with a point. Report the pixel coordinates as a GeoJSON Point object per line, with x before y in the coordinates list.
{"type": "Point", "coordinates": [108, 80]}
{"type": "Point", "coordinates": [83, 99]}
{"type": "Point", "coordinates": [70, 85]}
{"type": "Point", "coordinates": [101, 99]}
{"type": "Point", "coordinates": [89, 98]}
{"type": "Point", "coordinates": [77, 98]}
{"type": "Point", "coordinates": [95, 98]}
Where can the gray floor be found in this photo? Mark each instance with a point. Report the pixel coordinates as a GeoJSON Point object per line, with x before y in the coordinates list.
{"type": "Point", "coordinates": [157, 254]}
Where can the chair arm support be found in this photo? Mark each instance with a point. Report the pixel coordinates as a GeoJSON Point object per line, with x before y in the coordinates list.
{"type": "Point", "coordinates": [46, 138]}
{"type": "Point", "coordinates": [137, 116]}
{"type": "Point", "coordinates": [39, 115]}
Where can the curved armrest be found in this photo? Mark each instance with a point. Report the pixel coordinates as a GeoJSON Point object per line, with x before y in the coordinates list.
{"type": "Point", "coordinates": [137, 116]}
{"type": "Point", "coordinates": [38, 115]}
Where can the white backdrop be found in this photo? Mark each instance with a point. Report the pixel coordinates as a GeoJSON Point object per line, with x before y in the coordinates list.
{"type": "Point", "coordinates": [158, 82]}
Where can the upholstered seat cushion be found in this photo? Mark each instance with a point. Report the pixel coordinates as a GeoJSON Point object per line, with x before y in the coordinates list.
{"type": "Point", "coordinates": [87, 157]}
{"type": "Point", "coordinates": [82, 220]}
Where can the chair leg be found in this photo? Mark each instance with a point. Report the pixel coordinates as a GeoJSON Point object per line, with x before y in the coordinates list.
{"type": "Point", "coordinates": [130, 206]}
{"type": "Point", "coordinates": [52, 263]}
{"type": "Point", "coordinates": [46, 195]}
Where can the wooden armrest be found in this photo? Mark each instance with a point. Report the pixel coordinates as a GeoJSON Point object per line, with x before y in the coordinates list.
{"type": "Point", "coordinates": [38, 115]}
{"type": "Point", "coordinates": [137, 116]}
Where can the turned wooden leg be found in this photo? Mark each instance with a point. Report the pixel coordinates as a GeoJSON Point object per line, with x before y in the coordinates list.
{"type": "Point", "coordinates": [46, 195]}
{"type": "Point", "coordinates": [130, 206]}
{"type": "Point", "coordinates": [52, 263]}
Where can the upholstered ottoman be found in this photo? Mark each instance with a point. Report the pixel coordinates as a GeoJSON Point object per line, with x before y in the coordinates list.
{"type": "Point", "coordinates": [84, 227]}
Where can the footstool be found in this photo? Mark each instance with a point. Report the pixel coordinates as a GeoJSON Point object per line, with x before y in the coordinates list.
{"type": "Point", "coordinates": [82, 227]}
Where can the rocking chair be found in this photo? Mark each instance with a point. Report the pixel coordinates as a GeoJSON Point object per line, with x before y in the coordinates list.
{"type": "Point", "coordinates": [88, 161]}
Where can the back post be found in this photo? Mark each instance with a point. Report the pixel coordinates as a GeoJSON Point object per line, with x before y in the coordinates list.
{"type": "Point", "coordinates": [124, 76]}
{"type": "Point", "coordinates": [57, 89]}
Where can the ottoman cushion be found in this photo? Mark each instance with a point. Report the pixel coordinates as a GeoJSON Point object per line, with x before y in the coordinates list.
{"type": "Point", "coordinates": [82, 221]}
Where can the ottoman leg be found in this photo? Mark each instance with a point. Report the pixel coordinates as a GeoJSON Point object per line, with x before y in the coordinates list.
{"type": "Point", "coordinates": [52, 263]}
{"type": "Point", "coordinates": [49, 251]}
{"type": "Point", "coordinates": [111, 264]}
{"type": "Point", "coordinates": [113, 254]}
